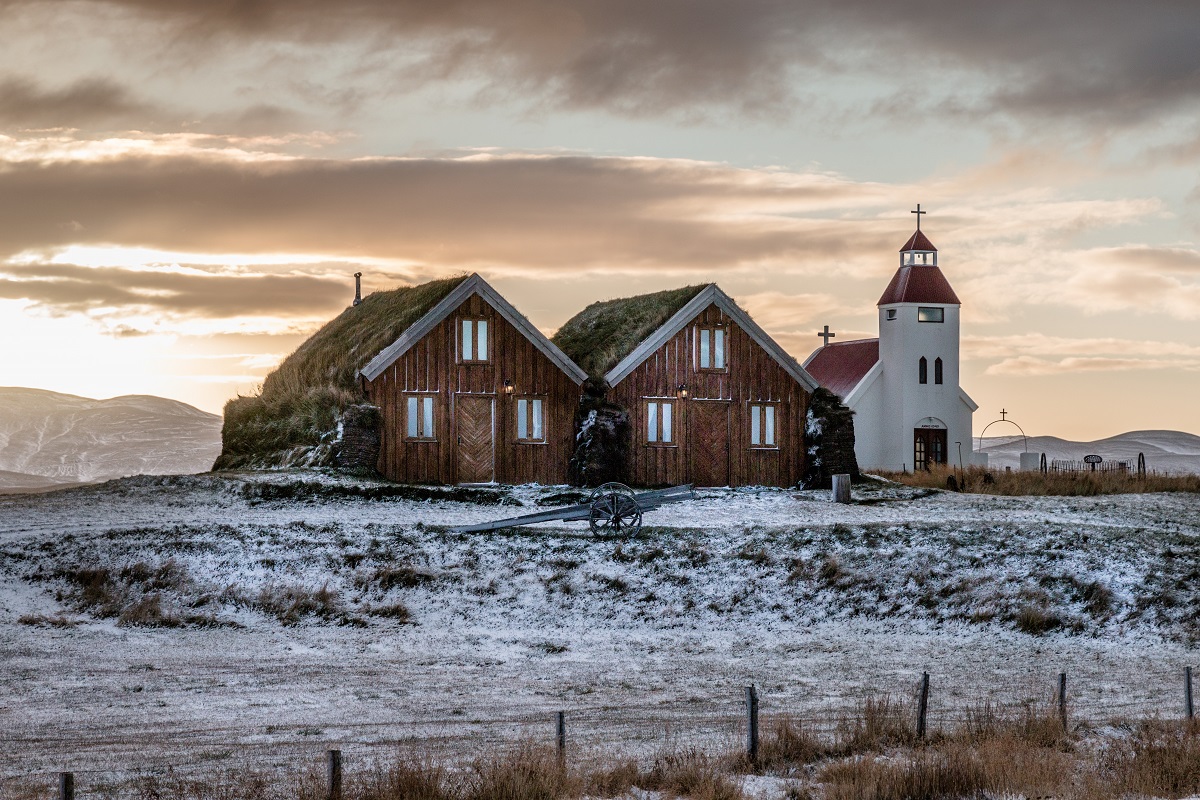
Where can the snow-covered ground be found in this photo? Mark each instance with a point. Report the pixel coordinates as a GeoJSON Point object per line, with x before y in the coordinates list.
{"type": "Point", "coordinates": [642, 641]}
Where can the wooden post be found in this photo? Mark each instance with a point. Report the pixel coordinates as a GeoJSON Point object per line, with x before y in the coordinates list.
{"type": "Point", "coordinates": [752, 724]}
{"type": "Point", "coordinates": [561, 735]}
{"type": "Point", "coordinates": [335, 774]}
{"type": "Point", "coordinates": [1187, 693]}
{"type": "Point", "coordinates": [841, 488]}
{"type": "Point", "coordinates": [66, 786]}
{"type": "Point", "coordinates": [1062, 699]}
{"type": "Point", "coordinates": [923, 705]}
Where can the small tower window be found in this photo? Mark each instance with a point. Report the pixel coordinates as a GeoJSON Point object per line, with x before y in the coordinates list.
{"type": "Point", "coordinates": [923, 370]}
{"type": "Point", "coordinates": [891, 313]}
{"type": "Point", "coordinates": [937, 370]}
{"type": "Point", "coordinates": [931, 314]}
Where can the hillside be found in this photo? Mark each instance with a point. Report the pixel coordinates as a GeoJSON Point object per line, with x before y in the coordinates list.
{"type": "Point", "coordinates": [1165, 451]}
{"type": "Point", "coordinates": [48, 438]}
{"type": "Point", "coordinates": [184, 616]}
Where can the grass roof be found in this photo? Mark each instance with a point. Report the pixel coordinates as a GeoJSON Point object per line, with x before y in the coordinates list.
{"type": "Point", "coordinates": [302, 398]}
{"type": "Point", "coordinates": [598, 337]}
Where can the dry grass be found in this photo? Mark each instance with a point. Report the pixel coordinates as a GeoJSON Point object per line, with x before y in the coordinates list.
{"type": "Point", "coordinates": [1159, 760]}
{"type": "Point", "coordinates": [301, 400]}
{"type": "Point", "coordinates": [880, 723]}
{"type": "Point", "coordinates": [598, 337]}
{"type": "Point", "coordinates": [978, 480]}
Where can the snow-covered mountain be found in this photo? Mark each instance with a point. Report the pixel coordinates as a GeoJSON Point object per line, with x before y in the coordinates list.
{"type": "Point", "coordinates": [48, 438]}
{"type": "Point", "coordinates": [1165, 451]}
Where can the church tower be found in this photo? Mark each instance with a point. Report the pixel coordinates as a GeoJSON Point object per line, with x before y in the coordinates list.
{"type": "Point", "coordinates": [909, 410]}
{"type": "Point", "coordinates": [919, 355]}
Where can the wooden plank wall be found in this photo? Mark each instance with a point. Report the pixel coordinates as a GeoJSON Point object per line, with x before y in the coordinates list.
{"type": "Point", "coordinates": [751, 376]}
{"type": "Point", "coordinates": [433, 366]}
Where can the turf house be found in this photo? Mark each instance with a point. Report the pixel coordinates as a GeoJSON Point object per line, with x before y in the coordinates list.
{"type": "Point", "coordinates": [711, 398]}
{"type": "Point", "coordinates": [472, 392]}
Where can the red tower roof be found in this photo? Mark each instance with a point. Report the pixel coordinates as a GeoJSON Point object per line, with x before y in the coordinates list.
{"type": "Point", "coordinates": [918, 241]}
{"type": "Point", "coordinates": [919, 283]}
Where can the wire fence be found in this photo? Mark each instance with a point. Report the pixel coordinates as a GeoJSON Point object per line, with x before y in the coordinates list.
{"type": "Point", "coordinates": [107, 762]}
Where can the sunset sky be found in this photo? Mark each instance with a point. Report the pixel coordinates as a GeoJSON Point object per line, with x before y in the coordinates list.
{"type": "Point", "coordinates": [186, 188]}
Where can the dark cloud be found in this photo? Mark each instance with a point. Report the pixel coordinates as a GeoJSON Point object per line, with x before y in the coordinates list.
{"type": "Point", "coordinates": [531, 212]}
{"type": "Point", "coordinates": [1110, 59]}
{"type": "Point", "coordinates": [68, 288]}
{"type": "Point", "coordinates": [24, 102]}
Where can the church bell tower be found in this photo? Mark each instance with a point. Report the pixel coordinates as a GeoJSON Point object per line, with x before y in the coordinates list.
{"type": "Point", "coordinates": [925, 413]}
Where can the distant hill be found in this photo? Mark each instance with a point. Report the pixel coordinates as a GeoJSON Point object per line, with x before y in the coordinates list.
{"type": "Point", "coordinates": [48, 438]}
{"type": "Point", "coordinates": [1165, 451]}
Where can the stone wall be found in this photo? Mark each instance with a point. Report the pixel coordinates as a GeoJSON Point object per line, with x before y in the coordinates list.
{"type": "Point", "coordinates": [358, 448]}
{"type": "Point", "coordinates": [830, 435]}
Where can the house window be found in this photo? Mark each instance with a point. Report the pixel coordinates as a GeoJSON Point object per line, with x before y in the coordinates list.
{"type": "Point", "coordinates": [658, 422]}
{"type": "Point", "coordinates": [530, 422]}
{"type": "Point", "coordinates": [712, 348]}
{"type": "Point", "coordinates": [923, 370]}
{"type": "Point", "coordinates": [931, 314]}
{"type": "Point", "coordinates": [762, 426]}
{"type": "Point", "coordinates": [891, 313]}
{"type": "Point", "coordinates": [474, 338]}
{"type": "Point", "coordinates": [937, 370]}
{"type": "Point", "coordinates": [418, 423]}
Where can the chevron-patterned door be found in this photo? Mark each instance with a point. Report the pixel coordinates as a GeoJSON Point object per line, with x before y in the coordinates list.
{"type": "Point", "coordinates": [476, 450]}
{"type": "Point", "coordinates": [708, 442]}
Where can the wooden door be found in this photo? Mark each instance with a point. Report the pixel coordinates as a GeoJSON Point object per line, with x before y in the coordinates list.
{"type": "Point", "coordinates": [929, 447]}
{"type": "Point", "coordinates": [708, 442]}
{"type": "Point", "coordinates": [476, 440]}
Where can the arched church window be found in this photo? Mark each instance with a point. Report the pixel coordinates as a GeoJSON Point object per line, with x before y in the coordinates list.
{"type": "Point", "coordinates": [937, 371]}
{"type": "Point", "coordinates": [923, 370]}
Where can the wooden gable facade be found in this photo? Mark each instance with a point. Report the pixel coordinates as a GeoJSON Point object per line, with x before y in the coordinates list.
{"type": "Point", "coordinates": [713, 401]}
{"type": "Point", "coordinates": [473, 393]}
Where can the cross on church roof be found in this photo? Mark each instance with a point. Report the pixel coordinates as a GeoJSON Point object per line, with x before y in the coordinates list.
{"type": "Point", "coordinates": [1003, 415]}
{"type": "Point", "coordinates": [826, 335]}
{"type": "Point", "coordinates": [918, 212]}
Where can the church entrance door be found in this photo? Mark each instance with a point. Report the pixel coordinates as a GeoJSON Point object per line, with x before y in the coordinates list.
{"type": "Point", "coordinates": [929, 447]}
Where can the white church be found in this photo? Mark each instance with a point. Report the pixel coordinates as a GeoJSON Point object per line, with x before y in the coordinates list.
{"type": "Point", "coordinates": [909, 410]}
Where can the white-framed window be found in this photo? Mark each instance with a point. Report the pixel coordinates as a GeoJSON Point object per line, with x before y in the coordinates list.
{"type": "Point", "coordinates": [710, 344]}
{"type": "Point", "coordinates": [418, 418]}
{"type": "Point", "coordinates": [931, 314]}
{"type": "Point", "coordinates": [762, 425]}
{"type": "Point", "coordinates": [659, 423]}
{"type": "Point", "coordinates": [531, 424]}
{"type": "Point", "coordinates": [473, 340]}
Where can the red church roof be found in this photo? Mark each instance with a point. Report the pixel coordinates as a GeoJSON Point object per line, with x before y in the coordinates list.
{"type": "Point", "coordinates": [918, 241]}
{"type": "Point", "coordinates": [839, 367]}
{"type": "Point", "coordinates": [919, 284]}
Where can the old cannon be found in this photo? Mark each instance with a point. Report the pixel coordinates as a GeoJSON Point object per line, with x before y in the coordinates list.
{"type": "Point", "coordinates": [612, 507]}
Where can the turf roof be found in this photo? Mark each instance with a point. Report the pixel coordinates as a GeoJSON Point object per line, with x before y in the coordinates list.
{"type": "Point", "coordinates": [301, 398]}
{"type": "Point", "coordinates": [598, 337]}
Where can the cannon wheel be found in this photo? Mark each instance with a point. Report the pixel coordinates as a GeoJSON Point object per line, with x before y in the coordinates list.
{"type": "Point", "coordinates": [615, 507]}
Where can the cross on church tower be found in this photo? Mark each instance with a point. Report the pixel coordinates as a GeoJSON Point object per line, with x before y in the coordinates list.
{"type": "Point", "coordinates": [826, 336]}
{"type": "Point", "coordinates": [918, 212]}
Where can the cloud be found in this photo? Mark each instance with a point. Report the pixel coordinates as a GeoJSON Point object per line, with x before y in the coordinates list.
{"type": "Point", "coordinates": [93, 100]}
{"type": "Point", "coordinates": [118, 292]}
{"type": "Point", "coordinates": [1026, 366]}
{"type": "Point", "coordinates": [1104, 60]}
{"type": "Point", "coordinates": [515, 212]}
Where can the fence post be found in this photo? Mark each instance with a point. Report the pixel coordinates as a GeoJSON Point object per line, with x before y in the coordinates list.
{"type": "Point", "coordinates": [561, 735]}
{"type": "Point", "coordinates": [66, 786]}
{"type": "Point", "coordinates": [1187, 693]}
{"type": "Point", "coordinates": [752, 724]}
{"type": "Point", "coordinates": [335, 774]}
{"type": "Point", "coordinates": [923, 705]}
{"type": "Point", "coordinates": [1062, 699]}
{"type": "Point", "coordinates": [841, 488]}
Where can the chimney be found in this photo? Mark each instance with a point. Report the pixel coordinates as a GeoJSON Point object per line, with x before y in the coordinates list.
{"type": "Point", "coordinates": [357, 288]}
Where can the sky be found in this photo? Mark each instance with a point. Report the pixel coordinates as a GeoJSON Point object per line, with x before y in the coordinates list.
{"type": "Point", "coordinates": [187, 188]}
